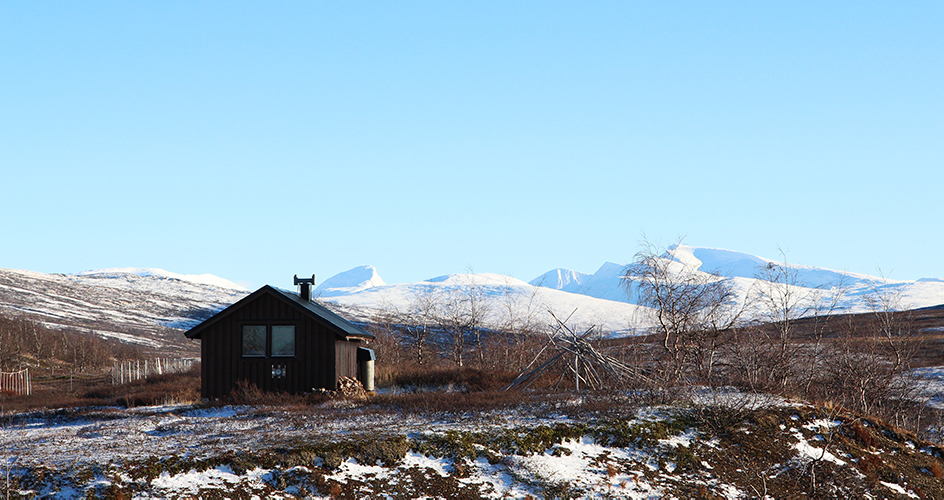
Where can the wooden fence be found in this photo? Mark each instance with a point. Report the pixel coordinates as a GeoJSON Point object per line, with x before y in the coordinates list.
{"type": "Point", "coordinates": [16, 383]}
{"type": "Point", "coordinates": [129, 371]}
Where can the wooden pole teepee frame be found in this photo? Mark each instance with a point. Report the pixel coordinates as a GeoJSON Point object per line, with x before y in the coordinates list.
{"type": "Point", "coordinates": [578, 355]}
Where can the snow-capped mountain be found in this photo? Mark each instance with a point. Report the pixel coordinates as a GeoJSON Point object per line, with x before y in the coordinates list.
{"type": "Point", "coordinates": [606, 283]}
{"type": "Point", "coordinates": [602, 298]}
{"type": "Point", "coordinates": [561, 279]}
{"type": "Point", "coordinates": [746, 271]}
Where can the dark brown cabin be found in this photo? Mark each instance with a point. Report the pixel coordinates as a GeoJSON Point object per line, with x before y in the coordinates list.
{"type": "Point", "coordinates": [280, 342]}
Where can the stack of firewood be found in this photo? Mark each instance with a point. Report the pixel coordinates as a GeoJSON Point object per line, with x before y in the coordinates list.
{"type": "Point", "coordinates": [351, 388]}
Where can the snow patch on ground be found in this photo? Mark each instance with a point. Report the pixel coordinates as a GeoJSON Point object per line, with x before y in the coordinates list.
{"type": "Point", "coordinates": [807, 451]}
{"type": "Point", "coordinates": [221, 477]}
{"type": "Point", "coordinates": [897, 488]}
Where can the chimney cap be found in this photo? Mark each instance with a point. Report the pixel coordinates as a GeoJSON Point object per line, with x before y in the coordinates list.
{"type": "Point", "coordinates": [305, 281]}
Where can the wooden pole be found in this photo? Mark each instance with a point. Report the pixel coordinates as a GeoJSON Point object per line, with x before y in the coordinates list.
{"type": "Point", "coordinates": [576, 373]}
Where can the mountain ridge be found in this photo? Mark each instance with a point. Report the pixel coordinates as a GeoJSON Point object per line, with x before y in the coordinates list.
{"type": "Point", "coordinates": [152, 306]}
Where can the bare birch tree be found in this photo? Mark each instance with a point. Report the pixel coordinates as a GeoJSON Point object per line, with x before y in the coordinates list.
{"type": "Point", "coordinates": [783, 299]}
{"type": "Point", "coordinates": [460, 314]}
{"type": "Point", "coordinates": [869, 369]}
{"type": "Point", "coordinates": [693, 310]}
{"type": "Point", "coordinates": [519, 326]}
{"type": "Point", "coordinates": [416, 324]}
{"type": "Point", "coordinates": [894, 327]}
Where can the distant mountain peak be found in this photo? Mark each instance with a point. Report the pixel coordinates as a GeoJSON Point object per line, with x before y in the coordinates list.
{"type": "Point", "coordinates": [560, 279]}
{"type": "Point", "coordinates": [605, 283]}
{"type": "Point", "coordinates": [358, 278]}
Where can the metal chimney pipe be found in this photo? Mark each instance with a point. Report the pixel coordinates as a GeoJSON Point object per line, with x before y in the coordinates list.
{"type": "Point", "coordinates": [306, 285]}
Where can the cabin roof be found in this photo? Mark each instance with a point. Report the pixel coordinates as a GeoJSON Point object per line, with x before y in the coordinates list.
{"type": "Point", "coordinates": [343, 327]}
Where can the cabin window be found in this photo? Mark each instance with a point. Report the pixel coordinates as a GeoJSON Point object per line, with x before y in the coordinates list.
{"type": "Point", "coordinates": [283, 340]}
{"type": "Point", "coordinates": [254, 340]}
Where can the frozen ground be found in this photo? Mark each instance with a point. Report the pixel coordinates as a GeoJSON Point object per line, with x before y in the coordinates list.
{"type": "Point", "coordinates": [102, 441]}
{"type": "Point", "coordinates": [931, 380]}
{"type": "Point", "coordinates": [541, 449]}
{"type": "Point", "coordinates": [99, 435]}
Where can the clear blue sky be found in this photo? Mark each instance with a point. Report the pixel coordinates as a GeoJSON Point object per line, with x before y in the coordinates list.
{"type": "Point", "coordinates": [259, 140]}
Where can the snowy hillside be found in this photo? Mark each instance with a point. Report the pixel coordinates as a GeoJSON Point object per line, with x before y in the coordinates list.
{"type": "Point", "coordinates": [601, 298]}
{"type": "Point", "coordinates": [503, 299]}
{"type": "Point", "coordinates": [116, 274]}
{"type": "Point", "coordinates": [148, 307]}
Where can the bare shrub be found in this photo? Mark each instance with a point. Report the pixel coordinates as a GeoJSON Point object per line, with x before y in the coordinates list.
{"type": "Point", "coordinates": [26, 343]}
{"type": "Point", "coordinates": [448, 326]}
{"type": "Point", "coordinates": [506, 351]}
{"type": "Point", "coordinates": [413, 327]}
{"type": "Point", "coordinates": [783, 352]}
{"type": "Point", "coordinates": [460, 316]}
{"type": "Point", "coordinates": [520, 335]}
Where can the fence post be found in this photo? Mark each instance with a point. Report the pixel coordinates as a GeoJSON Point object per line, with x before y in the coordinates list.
{"type": "Point", "coordinates": [17, 382]}
{"type": "Point", "coordinates": [132, 369]}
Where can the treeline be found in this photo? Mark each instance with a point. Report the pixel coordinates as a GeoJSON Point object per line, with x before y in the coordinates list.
{"type": "Point", "coordinates": [27, 343]}
{"type": "Point", "coordinates": [460, 327]}
{"type": "Point", "coordinates": [779, 338]}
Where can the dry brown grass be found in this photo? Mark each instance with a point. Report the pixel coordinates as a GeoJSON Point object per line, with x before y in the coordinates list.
{"type": "Point", "coordinates": [460, 378]}
{"type": "Point", "coordinates": [173, 388]}
{"type": "Point", "coordinates": [937, 470]}
{"type": "Point", "coordinates": [449, 402]}
{"type": "Point", "coordinates": [249, 394]}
